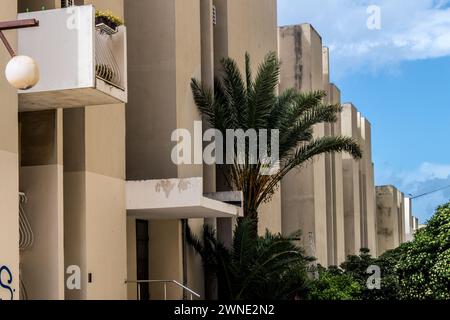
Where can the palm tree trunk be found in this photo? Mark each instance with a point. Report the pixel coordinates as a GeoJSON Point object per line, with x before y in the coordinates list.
{"type": "Point", "coordinates": [252, 214]}
{"type": "Point", "coordinates": [211, 285]}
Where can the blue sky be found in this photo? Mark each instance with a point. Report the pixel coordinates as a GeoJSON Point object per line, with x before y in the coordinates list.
{"type": "Point", "coordinates": [399, 78]}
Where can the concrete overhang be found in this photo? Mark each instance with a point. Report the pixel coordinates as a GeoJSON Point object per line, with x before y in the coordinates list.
{"type": "Point", "coordinates": [179, 199]}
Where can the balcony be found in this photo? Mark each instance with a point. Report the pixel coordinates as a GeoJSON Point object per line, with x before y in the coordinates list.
{"type": "Point", "coordinates": [179, 199]}
{"type": "Point", "coordinates": [80, 64]}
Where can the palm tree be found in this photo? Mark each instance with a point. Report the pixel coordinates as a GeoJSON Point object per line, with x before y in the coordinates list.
{"type": "Point", "coordinates": [238, 103]}
{"type": "Point", "coordinates": [268, 268]}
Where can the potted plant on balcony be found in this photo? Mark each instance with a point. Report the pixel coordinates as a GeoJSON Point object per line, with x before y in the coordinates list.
{"type": "Point", "coordinates": [107, 19]}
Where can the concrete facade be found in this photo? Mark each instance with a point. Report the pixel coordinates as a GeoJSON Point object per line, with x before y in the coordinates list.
{"type": "Point", "coordinates": [352, 187]}
{"type": "Point", "coordinates": [334, 174]}
{"type": "Point", "coordinates": [248, 26]}
{"type": "Point", "coordinates": [304, 192]}
{"type": "Point", "coordinates": [41, 179]}
{"type": "Point", "coordinates": [75, 165]}
{"type": "Point", "coordinates": [331, 200]}
{"type": "Point", "coordinates": [9, 168]}
{"type": "Point", "coordinates": [163, 82]}
{"type": "Point", "coordinates": [359, 187]}
{"type": "Point", "coordinates": [392, 211]}
{"type": "Point", "coordinates": [193, 49]}
{"type": "Point", "coordinates": [367, 178]}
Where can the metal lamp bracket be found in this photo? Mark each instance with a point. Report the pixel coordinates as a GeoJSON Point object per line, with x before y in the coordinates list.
{"type": "Point", "coordinates": [12, 25]}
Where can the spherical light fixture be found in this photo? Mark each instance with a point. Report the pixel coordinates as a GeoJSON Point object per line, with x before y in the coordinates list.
{"type": "Point", "coordinates": [22, 72]}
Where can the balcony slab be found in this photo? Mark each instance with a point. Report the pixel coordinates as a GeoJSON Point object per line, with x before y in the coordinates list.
{"type": "Point", "coordinates": [175, 199]}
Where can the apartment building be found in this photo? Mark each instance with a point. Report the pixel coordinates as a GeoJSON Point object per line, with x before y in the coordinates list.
{"type": "Point", "coordinates": [304, 192]}
{"type": "Point", "coordinates": [64, 132]}
{"type": "Point", "coordinates": [331, 200]}
{"type": "Point", "coordinates": [100, 189]}
{"type": "Point", "coordinates": [359, 186]}
{"type": "Point", "coordinates": [197, 34]}
{"type": "Point", "coordinates": [396, 224]}
{"type": "Point", "coordinates": [91, 151]}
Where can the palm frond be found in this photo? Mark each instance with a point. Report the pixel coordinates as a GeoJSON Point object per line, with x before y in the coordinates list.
{"type": "Point", "coordinates": [203, 98]}
{"type": "Point", "coordinates": [304, 101]}
{"type": "Point", "coordinates": [263, 96]}
{"type": "Point", "coordinates": [234, 93]}
{"type": "Point", "coordinates": [301, 129]}
{"type": "Point", "coordinates": [243, 243]}
{"type": "Point", "coordinates": [248, 74]}
{"type": "Point", "coordinates": [323, 145]}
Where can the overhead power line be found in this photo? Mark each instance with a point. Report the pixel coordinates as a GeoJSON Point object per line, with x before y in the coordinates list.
{"type": "Point", "coordinates": [428, 193]}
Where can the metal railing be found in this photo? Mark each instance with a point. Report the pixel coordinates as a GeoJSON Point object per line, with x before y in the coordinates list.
{"type": "Point", "coordinates": [165, 283]}
{"type": "Point", "coordinates": [26, 239]}
{"type": "Point", "coordinates": [106, 67]}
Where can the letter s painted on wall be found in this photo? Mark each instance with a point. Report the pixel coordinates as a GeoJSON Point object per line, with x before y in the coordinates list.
{"type": "Point", "coordinates": [9, 280]}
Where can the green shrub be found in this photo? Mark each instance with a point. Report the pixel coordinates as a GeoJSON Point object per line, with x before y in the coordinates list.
{"type": "Point", "coordinates": [424, 268]}
{"type": "Point", "coordinates": [334, 284]}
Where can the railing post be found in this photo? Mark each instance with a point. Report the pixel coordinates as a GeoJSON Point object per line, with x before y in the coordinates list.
{"type": "Point", "coordinates": [139, 291]}
{"type": "Point", "coordinates": [165, 291]}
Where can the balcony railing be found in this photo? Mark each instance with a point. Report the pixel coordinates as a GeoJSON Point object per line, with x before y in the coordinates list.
{"type": "Point", "coordinates": [106, 66]}
{"type": "Point", "coordinates": [186, 291]}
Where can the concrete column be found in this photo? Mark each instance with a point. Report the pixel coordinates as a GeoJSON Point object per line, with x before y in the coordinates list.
{"type": "Point", "coordinates": [9, 168]}
{"type": "Point", "coordinates": [247, 26]}
{"type": "Point", "coordinates": [94, 181]}
{"type": "Point", "coordinates": [329, 169]}
{"type": "Point", "coordinates": [401, 216]}
{"type": "Point", "coordinates": [95, 211]}
{"type": "Point", "coordinates": [362, 185]}
{"type": "Point", "coordinates": [408, 219]}
{"type": "Point", "coordinates": [131, 258]}
{"type": "Point", "coordinates": [207, 53]}
{"type": "Point", "coordinates": [165, 257]}
{"type": "Point", "coordinates": [388, 218]}
{"type": "Point", "coordinates": [368, 188]}
{"type": "Point", "coordinates": [304, 192]}
{"type": "Point", "coordinates": [352, 187]}
{"type": "Point", "coordinates": [338, 187]}
{"type": "Point", "coordinates": [41, 179]}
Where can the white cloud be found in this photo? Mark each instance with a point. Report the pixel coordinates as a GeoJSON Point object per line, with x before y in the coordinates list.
{"type": "Point", "coordinates": [410, 30]}
{"type": "Point", "coordinates": [427, 177]}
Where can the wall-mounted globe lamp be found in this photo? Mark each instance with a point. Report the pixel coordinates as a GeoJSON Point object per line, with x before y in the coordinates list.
{"type": "Point", "coordinates": [22, 72]}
